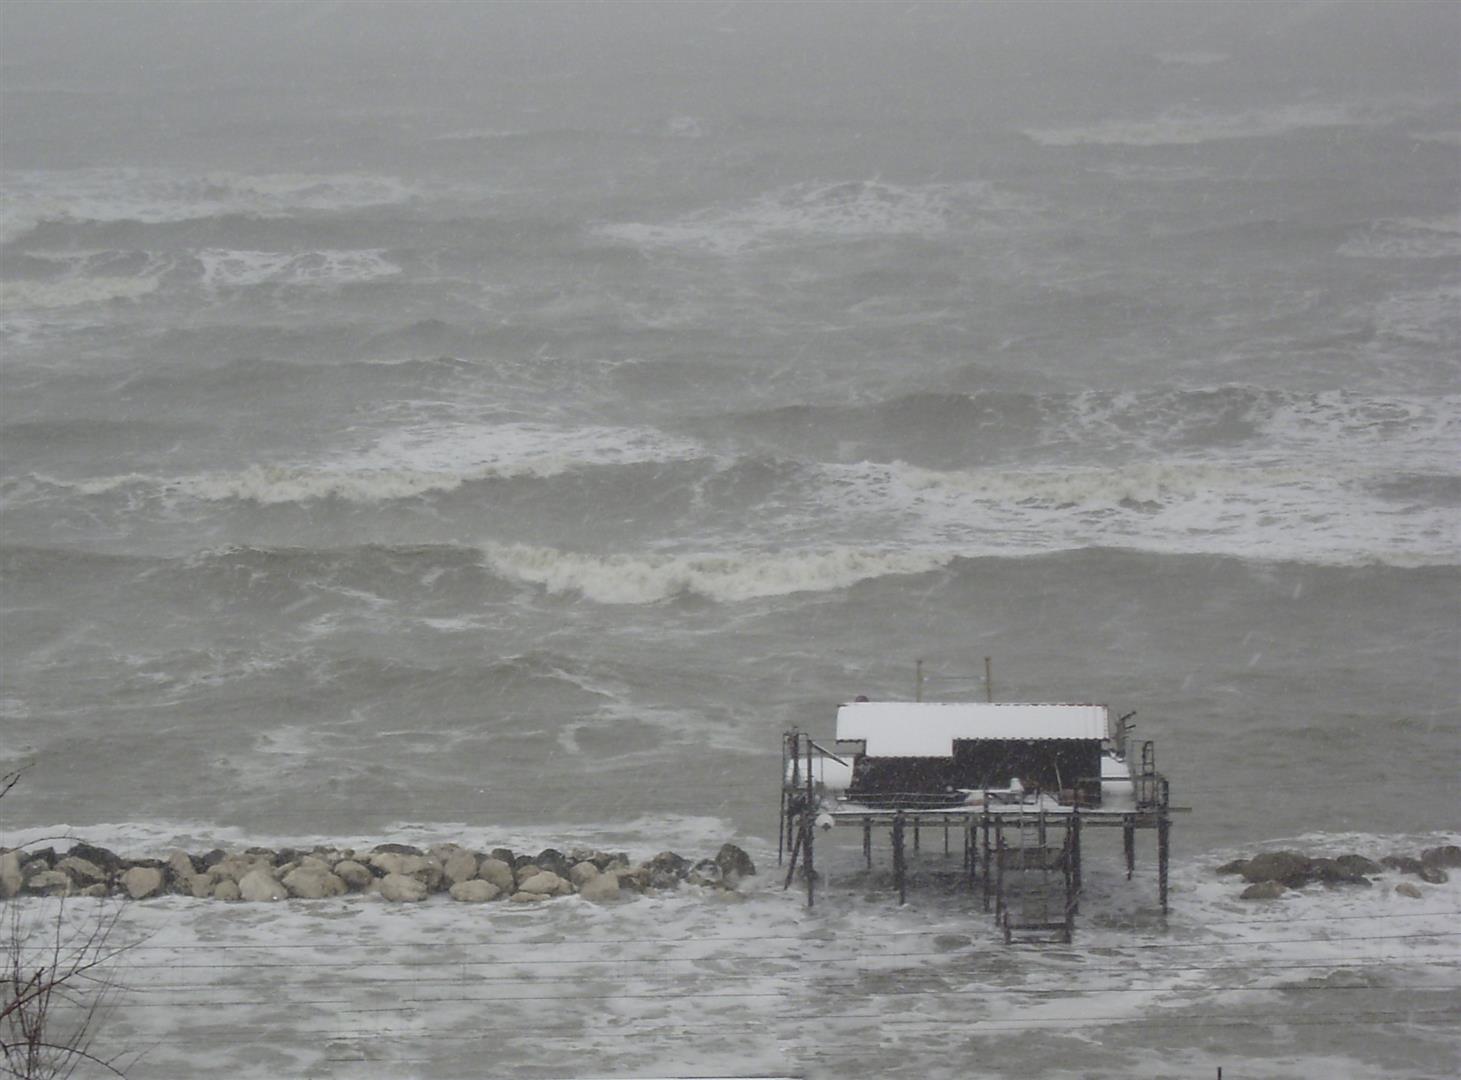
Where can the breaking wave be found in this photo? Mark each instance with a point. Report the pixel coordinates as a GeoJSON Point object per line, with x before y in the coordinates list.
{"type": "Point", "coordinates": [649, 579]}
{"type": "Point", "coordinates": [1187, 127]}
{"type": "Point", "coordinates": [153, 196]}
{"type": "Point", "coordinates": [852, 210]}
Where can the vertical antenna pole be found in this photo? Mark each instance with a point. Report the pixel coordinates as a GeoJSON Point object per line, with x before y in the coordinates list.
{"type": "Point", "coordinates": [988, 680]}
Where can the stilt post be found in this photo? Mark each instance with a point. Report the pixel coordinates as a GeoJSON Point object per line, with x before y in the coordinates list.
{"type": "Point", "coordinates": [1128, 844]}
{"type": "Point", "coordinates": [899, 869]}
{"type": "Point", "coordinates": [1164, 827]}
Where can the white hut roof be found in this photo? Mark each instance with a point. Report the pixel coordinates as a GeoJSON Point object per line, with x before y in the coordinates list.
{"type": "Point", "coordinates": [928, 729]}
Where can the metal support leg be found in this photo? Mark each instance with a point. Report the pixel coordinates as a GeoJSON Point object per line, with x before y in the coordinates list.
{"type": "Point", "coordinates": [810, 827]}
{"type": "Point", "coordinates": [867, 841]}
{"type": "Point", "coordinates": [1128, 843]}
{"type": "Point", "coordinates": [899, 870]}
{"type": "Point", "coordinates": [916, 824]}
{"type": "Point", "coordinates": [1164, 826]}
{"type": "Point", "coordinates": [946, 836]}
{"type": "Point", "coordinates": [1075, 858]}
{"type": "Point", "coordinates": [985, 876]}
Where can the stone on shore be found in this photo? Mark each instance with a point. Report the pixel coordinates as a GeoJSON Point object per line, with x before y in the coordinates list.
{"type": "Point", "coordinates": [1288, 868]}
{"type": "Point", "coordinates": [1446, 855]}
{"type": "Point", "coordinates": [601, 889]}
{"type": "Point", "coordinates": [474, 891]}
{"type": "Point", "coordinates": [734, 864]}
{"type": "Point", "coordinates": [499, 873]}
{"type": "Point", "coordinates": [11, 879]}
{"type": "Point", "coordinates": [421, 867]}
{"type": "Point", "coordinates": [1433, 875]}
{"type": "Point", "coordinates": [355, 876]}
{"type": "Point", "coordinates": [82, 871]}
{"type": "Point", "coordinates": [1263, 890]}
{"type": "Point", "coordinates": [705, 872]}
{"type": "Point", "coordinates": [402, 889]}
{"type": "Point", "coordinates": [1406, 888]}
{"type": "Point", "coordinates": [546, 883]}
{"type": "Point", "coordinates": [109, 861]}
{"type": "Point", "coordinates": [260, 885]}
{"type": "Point", "coordinates": [460, 866]}
{"type": "Point", "coordinates": [313, 883]}
{"type": "Point", "coordinates": [524, 897]}
{"type": "Point", "coordinates": [49, 883]}
{"type": "Point", "coordinates": [140, 882]}
{"type": "Point", "coordinates": [227, 889]}
{"type": "Point", "coordinates": [582, 872]}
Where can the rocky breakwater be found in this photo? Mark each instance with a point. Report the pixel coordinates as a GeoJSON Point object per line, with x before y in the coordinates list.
{"type": "Point", "coordinates": [398, 873]}
{"type": "Point", "coordinates": [1273, 873]}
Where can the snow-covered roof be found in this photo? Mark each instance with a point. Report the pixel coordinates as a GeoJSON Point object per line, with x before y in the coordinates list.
{"type": "Point", "coordinates": [928, 729]}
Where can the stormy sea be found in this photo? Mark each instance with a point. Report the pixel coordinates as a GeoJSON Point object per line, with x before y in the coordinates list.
{"type": "Point", "coordinates": [500, 424]}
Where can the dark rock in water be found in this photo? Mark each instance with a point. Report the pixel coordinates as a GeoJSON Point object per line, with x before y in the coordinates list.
{"type": "Point", "coordinates": [1237, 866]}
{"type": "Point", "coordinates": [212, 858]}
{"type": "Point", "coordinates": [43, 859]}
{"type": "Point", "coordinates": [1447, 855]}
{"type": "Point", "coordinates": [1333, 872]}
{"type": "Point", "coordinates": [554, 861]}
{"type": "Point", "coordinates": [1358, 864]}
{"type": "Point", "coordinates": [396, 849]}
{"type": "Point", "coordinates": [1286, 867]}
{"type": "Point", "coordinates": [605, 859]}
{"type": "Point", "coordinates": [520, 861]}
{"type": "Point", "coordinates": [145, 864]}
{"type": "Point", "coordinates": [667, 862]}
{"type": "Point", "coordinates": [109, 861]}
{"type": "Point", "coordinates": [1263, 890]}
{"type": "Point", "coordinates": [705, 872]}
{"type": "Point", "coordinates": [1406, 864]}
{"type": "Point", "coordinates": [286, 855]}
{"type": "Point", "coordinates": [734, 863]}
{"type": "Point", "coordinates": [503, 854]}
{"type": "Point", "coordinates": [1433, 875]}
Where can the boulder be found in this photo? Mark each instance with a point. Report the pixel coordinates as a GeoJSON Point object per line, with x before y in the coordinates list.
{"type": "Point", "coordinates": [1285, 867]}
{"type": "Point", "coordinates": [667, 862]}
{"type": "Point", "coordinates": [499, 873]}
{"type": "Point", "coordinates": [140, 882]}
{"type": "Point", "coordinates": [553, 861]}
{"type": "Point", "coordinates": [396, 849]}
{"type": "Point", "coordinates": [1263, 890]}
{"type": "Point", "coordinates": [1236, 866]}
{"type": "Point", "coordinates": [425, 869]}
{"type": "Point", "coordinates": [1406, 864]}
{"type": "Point", "coordinates": [94, 892]}
{"type": "Point", "coordinates": [260, 884]}
{"type": "Point", "coordinates": [1406, 888]}
{"type": "Point", "coordinates": [11, 879]}
{"type": "Point", "coordinates": [601, 889]}
{"type": "Point", "coordinates": [475, 891]}
{"type": "Point", "coordinates": [313, 883]}
{"type": "Point", "coordinates": [505, 854]}
{"type": "Point", "coordinates": [212, 858]}
{"type": "Point", "coordinates": [734, 863]}
{"type": "Point", "coordinates": [582, 872]}
{"type": "Point", "coordinates": [1433, 875]}
{"type": "Point", "coordinates": [705, 872]}
{"type": "Point", "coordinates": [523, 897]}
{"type": "Point", "coordinates": [1446, 855]}
{"type": "Point", "coordinates": [82, 871]}
{"type": "Point", "coordinates": [235, 867]}
{"type": "Point", "coordinates": [180, 870]}
{"type": "Point", "coordinates": [284, 856]}
{"type": "Point", "coordinates": [401, 888]}
{"type": "Point", "coordinates": [355, 876]}
{"type": "Point", "coordinates": [635, 878]}
{"type": "Point", "coordinates": [49, 883]}
{"type": "Point", "coordinates": [1358, 864]}
{"type": "Point", "coordinates": [1333, 872]}
{"type": "Point", "coordinates": [227, 889]}
{"type": "Point", "coordinates": [200, 887]}
{"type": "Point", "coordinates": [315, 862]}
{"type": "Point", "coordinates": [546, 883]}
{"type": "Point", "coordinates": [109, 861]}
{"type": "Point", "coordinates": [460, 866]}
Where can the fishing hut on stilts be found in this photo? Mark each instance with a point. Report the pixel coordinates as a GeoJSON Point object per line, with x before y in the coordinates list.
{"type": "Point", "coordinates": [1018, 783]}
